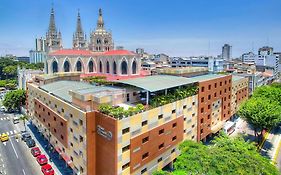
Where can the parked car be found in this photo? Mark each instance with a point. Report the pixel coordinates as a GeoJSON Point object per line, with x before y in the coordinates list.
{"type": "Point", "coordinates": [3, 109]}
{"type": "Point", "coordinates": [4, 137]}
{"type": "Point", "coordinates": [25, 136]}
{"type": "Point", "coordinates": [47, 170]}
{"type": "Point", "coordinates": [35, 151]}
{"type": "Point", "coordinates": [16, 120]}
{"type": "Point", "coordinates": [30, 143]}
{"type": "Point", "coordinates": [42, 159]}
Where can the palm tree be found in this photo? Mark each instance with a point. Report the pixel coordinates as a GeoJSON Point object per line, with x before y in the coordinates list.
{"type": "Point", "coordinates": [24, 118]}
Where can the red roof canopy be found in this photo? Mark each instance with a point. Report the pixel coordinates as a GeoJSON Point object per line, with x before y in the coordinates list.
{"type": "Point", "coordinates": [72, 52]}
{"type": "Point", "coordinates": [89, 53]}
{"type": "Point", "coordinates": [118, 52]}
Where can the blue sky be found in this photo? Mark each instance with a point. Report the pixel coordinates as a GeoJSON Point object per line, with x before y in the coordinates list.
{"type": "Point", "coordinates": [177, 28]}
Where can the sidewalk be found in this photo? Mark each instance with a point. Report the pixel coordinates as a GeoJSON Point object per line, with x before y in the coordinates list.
{"type": "Point", "coordinates": [58, 164]}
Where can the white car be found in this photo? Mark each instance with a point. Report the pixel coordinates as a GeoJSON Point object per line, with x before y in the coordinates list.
{"type": "Point", "coordinates": [3, 109]}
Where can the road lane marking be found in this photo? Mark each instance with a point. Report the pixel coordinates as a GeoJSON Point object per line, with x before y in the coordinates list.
{"type": "Point", "coordinates": [14, 149]}
{"type": "Point", "coordinates": [23, 171]}
{"type": "Point", "coordinates": [15, 131]}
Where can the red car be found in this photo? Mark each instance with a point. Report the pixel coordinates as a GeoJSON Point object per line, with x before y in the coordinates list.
{"type": "Point", "coordinates": [42, 159]}
{"type": "Point", "coordinates": [35, 151]}
{"type": "Point", "coordinates": [47, 170]}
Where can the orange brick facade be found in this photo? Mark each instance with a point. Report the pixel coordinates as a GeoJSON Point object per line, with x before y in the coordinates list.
{"type": "Point", "coordinates": [209, 92]}
{"type": "Point", "coordinates": [149, 145]}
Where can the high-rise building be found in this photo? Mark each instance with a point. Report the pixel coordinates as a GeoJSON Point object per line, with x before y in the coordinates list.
{"type": "Point", "coordinates": [40, 44]}
{"type": "Point", "coordinates": [265, 50]}
{"type": "Point", "coordinates": [227, 52]}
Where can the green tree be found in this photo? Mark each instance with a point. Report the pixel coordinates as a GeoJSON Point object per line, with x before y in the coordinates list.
{"type": "Point", "coordinates": [13, 100]}
{"type": "Point", "coordinates": [10, 71]}
{"type": "Point", "coordinates": [260, 113]}
{"type": "Point", "coordinates": [225, 155]}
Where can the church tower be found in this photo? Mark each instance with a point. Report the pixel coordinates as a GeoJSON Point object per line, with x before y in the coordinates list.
{"type": "Point", "coordinates": [79, 38]}
{"type": "Point", "coordinates": [101, 40]}
{"type": "Point", "coordinates": [53, 37]}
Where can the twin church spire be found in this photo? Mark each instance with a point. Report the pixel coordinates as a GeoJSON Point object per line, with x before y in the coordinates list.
{"type": "Point", "coordinates": [100, 39]}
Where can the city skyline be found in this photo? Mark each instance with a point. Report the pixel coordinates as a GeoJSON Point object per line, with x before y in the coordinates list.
{"type": "Point", "coordinates": [161, 28]}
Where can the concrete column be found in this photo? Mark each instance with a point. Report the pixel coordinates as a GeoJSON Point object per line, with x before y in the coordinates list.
{"type": "Point", "coordinates": [147, 97]}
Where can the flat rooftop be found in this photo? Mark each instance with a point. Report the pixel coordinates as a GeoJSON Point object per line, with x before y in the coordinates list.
{"type": "Point", "coordinates": [236, 78]}
{"type": "Point", "coordinates": [61, 89]}
{"type": "Point", "coordinates": [161, 82]}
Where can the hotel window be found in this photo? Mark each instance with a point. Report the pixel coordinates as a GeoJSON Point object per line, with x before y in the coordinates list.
{"type": "Point", "coordinates": [71, 130]}
{"type": "Point", "coordinates": [202, 89]}
{"type": "Point", "coordinates": [215, 85]}
{"type": "Point", "coordinates": [201, 131]}
{"type": "Point", "coordinates": [193, 115]}
{"type": "Point", "coordinates": [126, 148]}
{"type": "Point", "coordinates": [229, 88]}
{"type": "Point", "coordinates": [143, 171]}
{"type": "Point", "coordinates": [80, 122]}
{"type": "Point", "coordinates": [71, 144]}
{"type": "Point", "coordinates": [225, 82]}
{"type": "Point", "coordinates": [209, 106]}
{"type": "Point", "coordinates": [220, 92]}
{"type": "Point", "coordinates": [61, 136]}
{"type": "Point", "coordinates": [173, 111]}
{"type": "Point", "coordinates": [81, 138]}
{"type": "Point", "coordinates": [184, 107]}
{"type": "Point", "coordinates": [202, 110]}
{"type": "Point", "coordinates": [161, 146]}
{"type": "Point", "coordinates": [173, 150]}
{"type": "Point", "coordinates": [202, 99]}
{"type": "Point", "coordinates": [48, 113]}
{"type": "Point", "coordinates": [161, 131]}
{"type": "Point", "coordinates": [193, 103]}
{"type": "Point", "coordinates": [55, 119]}
{"type": "Point", "coordinates": [61, 123]}
{"type": "Point", "coordinates": [145, 155]}
{"type": "Point", "coordinates": [174, 125]}
{"type": "Point", "coordinates": [125, 166]}
{"type": "Point", "coordinates": [71, 115]}
{"type": "Point", "coordinates": [209, 87]}
{"type": "Point", "coordinates": [220, 83]}
{"type": "Point", "coordinates": [159, 160]}
{"type": "Point", "coordinates": [126, 130]}
{"type": "Point", "coordinates": [202, 120]}
{"type": "Point", "coordinates": [160, 116]}
{"type": "Point", "coordinates": [43, 109]}
{"type": "Point", "coordinates": [209, 116]}
{"type": "Point", "coordinates": [209, 97]}
{"type": "Point", "coordinates": [43, 119]}
{"type": "Point", "coordinates": [144, 123]}
{"type": "Point", "coordinates": [39, 106]}
{"type": "Point", "coordinates": [49, 125]}
{"type": "Point", "coordinates": [184, 118]}
{"type": "Point", "coordinates": [56, 106]}
{"type": "Point", "coordinates": [174, 138]}
{"type": "Point", "coordinates": [224, 98]}
{"type": "Point", "coordinates": [144, 140]}
{"type": "Point", "coordinates": [215, 94]}
{"type": "Point", "coordinates": [62, 110]}
{"type": "Point", "coordinates": [229, 81]}
{"type": "Point", "coordinates": [193, 126]}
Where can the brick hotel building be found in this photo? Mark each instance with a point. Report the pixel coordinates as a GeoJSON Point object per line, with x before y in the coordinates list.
{"type": "Point", "coordinates": [66, 110]}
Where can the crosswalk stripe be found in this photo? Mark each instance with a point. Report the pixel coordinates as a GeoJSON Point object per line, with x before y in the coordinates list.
{"type": "Point", "coordinates": [15, 131]}
{"type": "Point", "coordinates": [7, 133]}
{"type": "Point", "coordinates": [4, 143]}
{"type": "Point", "coordinates": [1, 119]}
{"type": "Point", "coordinates": [11, 132]}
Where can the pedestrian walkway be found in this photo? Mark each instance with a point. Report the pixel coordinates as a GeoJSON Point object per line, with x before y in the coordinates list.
{"type": "Point", "coordinates": [5, 118]}
{"type": "Point", "coordinates": [10, 133]}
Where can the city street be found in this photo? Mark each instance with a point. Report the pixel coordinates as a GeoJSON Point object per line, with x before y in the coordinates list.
{"type": "Point", "coordinates": [15, 156]}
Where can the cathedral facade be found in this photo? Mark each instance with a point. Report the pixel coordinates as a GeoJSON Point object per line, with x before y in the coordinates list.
{"type": "Point", "coordinates": [96, 56]}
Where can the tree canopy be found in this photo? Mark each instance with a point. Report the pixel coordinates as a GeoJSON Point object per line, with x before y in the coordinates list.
{"type": "Point", "coordinates": [225, 155]}
{"type": "Point", "coordinates": [263, 110]}
{"type": "Point", "coordinates": [14, 99]}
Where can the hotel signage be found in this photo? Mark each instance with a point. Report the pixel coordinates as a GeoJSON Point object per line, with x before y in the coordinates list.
{"type": "Point", "coordinates": [106, 134]}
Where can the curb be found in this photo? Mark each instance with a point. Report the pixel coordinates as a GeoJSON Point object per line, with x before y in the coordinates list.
{"type": "Point", "coordinates": [276, 153]}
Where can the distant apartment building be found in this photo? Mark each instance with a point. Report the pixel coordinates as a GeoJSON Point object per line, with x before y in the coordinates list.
{"type": "Point", "coordinates": [140, 143]}
{"type": "Point", "coordinates": [265, 57]}
{"type": "Point", "coordinates": [23, 59]}
{"type": "Point", "coordinates": [213, 64]}
{"type": "Point", "coordinates": [39, 54]}
{"type": "Point", "coordinates": [240, 92]}
{"type": "Point", "coordinates": [227, 52]}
